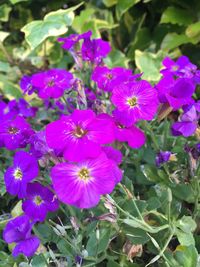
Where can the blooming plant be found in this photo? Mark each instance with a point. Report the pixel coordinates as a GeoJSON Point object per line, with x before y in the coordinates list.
{"type": "Point", "coordinates": [71, 166]}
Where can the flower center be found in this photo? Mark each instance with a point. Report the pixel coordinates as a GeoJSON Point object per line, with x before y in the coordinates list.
{"type": "Point", "coordinates": [132, 102]}
{"type": "Point", "coordinates": [84, 174]}
{"type": "Point", "coordinates": [38, 200]}
{"type": "Point", "coordinates": [109, 76]}
{"type": "Point", "coordinates": [18, 174]}
{"type": "Point", "coordinates": [51, 83]}
{"type": "Point", "coordinates": [175, 67]}
{"type": "Point", "coordinates": [79, 132]}
{"type": "Point", "coordinates": [13, 130]}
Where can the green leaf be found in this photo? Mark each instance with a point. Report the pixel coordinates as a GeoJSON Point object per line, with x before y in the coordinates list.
{"type": "Point", "coordinates": [137, 236]}
{"type": "Point", "coordinates": [185, 239]}
{"type": "Point", "coordinates": [186, 256]}
{"type": "Point", "coordinates": [109, 3]}
{"type": "Point", "coordinates": [193, 30]}
{"type": "Point", "coordinates": [186, 224]}
{"type": "Point", "coordinates": [54, 24]}
{"type": "Point", "coordinates": [150, 64]}
{"type": "Point", "coordinates": [116, 58]}
{"type": "Point", "coordinates": [124, 5]}
{"type": "Point", "coordinates": [4, 12]}
{"type": "Point", "coordinates": [175, 15]}
{"type": "Point", "coordinates": [9, 89]}
{"type": "Point", "coordinates": [39, 261]}
{"type": "Point", "coordinates": [173, 40]}
{"type": "Point", "coordinates": [17, 1]}
{"type": "Point", "coordinates": [3, 36]}
{"type": "Point", "coordinates": [17, 210]}
{"type": "Point", "coordinates": [112, 264]}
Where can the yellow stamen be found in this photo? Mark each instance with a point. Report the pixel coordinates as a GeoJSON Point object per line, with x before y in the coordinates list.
{"type": "Point", "coordinates": [84, 174]}
{"type": "Point", "coordinates": [132, 102]}
{"type": "Point", "coordinates": [18, 174]}
{"type": "Point", "coordinates": [38, 200]}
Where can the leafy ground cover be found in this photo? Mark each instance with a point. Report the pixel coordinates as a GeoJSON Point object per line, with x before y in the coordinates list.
{"type": "Point", "coordinates": [99, 133]}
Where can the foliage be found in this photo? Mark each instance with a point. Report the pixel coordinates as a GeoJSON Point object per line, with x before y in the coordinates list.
{"type": "Point", "coordinates": [155, 208]}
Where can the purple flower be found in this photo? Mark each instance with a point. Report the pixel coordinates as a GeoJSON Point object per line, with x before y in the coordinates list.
{"type": "Point", "coordinates": [175, 92]}
{"type": "Point", "coordinates": [39, 147]}
{"type": "Point", "coordinates": [113, 154]}
{"type": "Point", "coordinates": [25, 109]}
{"type": "Point", "coordinates": [82, 184]}
{"type": "Point", "coordinates": [94, 50]}
{"type": "Point", "coordinates": [105, 77]}
{"type": "Point", "coordinates": [80, 135]}
{"type": "Point", "coordinates": [15, 133]}
{"type": "Point", "coordinates": [180, 68]}
{"type": "Point", "coordinates": [39, 201]}
{"type": "Point", "coordinates": [162, 157]}
{"type": "Point", "coordinates": [18, 230]}
{"type": "Point", "coordinates": [135, 101]}
{"type": "Point", "coordinates": [72, 39]}
{"type": "Point", "coordinates": [24, 169]}
{"type": "Point", "coordinates": [27, 85]}
{"type": "Point", "coordinates": [52, 83]}
{"type": "Point", "coordinates": [188, 122]}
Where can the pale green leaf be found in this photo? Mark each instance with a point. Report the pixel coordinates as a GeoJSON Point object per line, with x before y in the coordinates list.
{"type": "Point", "coordinates": [109, 3]}
{"type": "Point", "coordinates": [54, 24]}
{"type": "Point", "coordinates": [175, 15]}
{"type": "Point", "coordinates": [3, 36]}
{"type": "Point", "coordinates": [186, 256]}
{"type": "Point", "coordinates": [149, 64]}
{"type": "Point", "coordinates": [17, 1]}
{"type": "Point", "coordinates": [193, 30]}
{"type": "Point", "coordinates": [4, 12]}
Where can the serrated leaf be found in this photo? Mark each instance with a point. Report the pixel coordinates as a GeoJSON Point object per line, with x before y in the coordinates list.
{"type": "Point", "coordinates": [175, 15]}
{"type": "Point", "coordinates": [144, 60]}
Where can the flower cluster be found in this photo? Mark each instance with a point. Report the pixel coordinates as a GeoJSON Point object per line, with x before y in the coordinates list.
{"type": "Point", "coordinates": [91, 115]}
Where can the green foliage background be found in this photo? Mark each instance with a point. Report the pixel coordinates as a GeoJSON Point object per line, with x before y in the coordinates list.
{"type": "Point", "coordinates": [142, 33]}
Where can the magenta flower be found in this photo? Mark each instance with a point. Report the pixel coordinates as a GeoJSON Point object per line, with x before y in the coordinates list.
{"type": "Point", "coordinates": [52, 83]}
{"type": "Point", "coordinates": [94, 50]}
{"type": "Point", "coordinates": [39, 201]}
{"type": "Point", "coordinates": [24, 169]}
{"type": "Point", "coordinates": [175, 92]}
{"type": "Point", "coordinates": [18, 230]}
{"type": "Point", "coordinates": [72, 39]}
{"type": "Point", "coordinates": [80, 135]}
{"type": "Point", "coordinates": [15, 133]}
{"type": "Point", "coordinates": [188, 122]}
{"type": "Point", "coordinates": [82, 184]}
{"type": "Point", "coordinates": [8, 111]}
{"type": "Point", "coordinates": [113, 154]}
{"type": "Point", "coordinates": [180, 68]}
{"type": "Point", "coordinates": [25, 109]}
{"type": "Point", "coordinates": [135, 101]}
{"type": "Point", "coordinates": [105, 77]}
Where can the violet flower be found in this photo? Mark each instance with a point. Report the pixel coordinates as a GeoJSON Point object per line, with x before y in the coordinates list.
{"type": "Point", "coordinates": [162, 157]}
{"type": "Point", "coordinates": [18, 230]}
{"type": "Point", "coordinates": [24, 169]}
{"type": "Point", "coordinates": [15, 133]}
{"type": "Point", "coordinates": [39, 201]}
{"type": "Point", "coordinates": [27, 85]}
{"type": "Point", "coordinates": [188, 122]}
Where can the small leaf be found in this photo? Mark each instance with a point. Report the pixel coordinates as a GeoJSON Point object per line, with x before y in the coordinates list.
{"type": "Point", "coordinates": [109, 3]}
{"type": "Point", "coordinates": [4, 12]}
{"type": "Point", "coordinates": [17, 210]}
{"type": "Point", "coordinates": [175, 15]}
